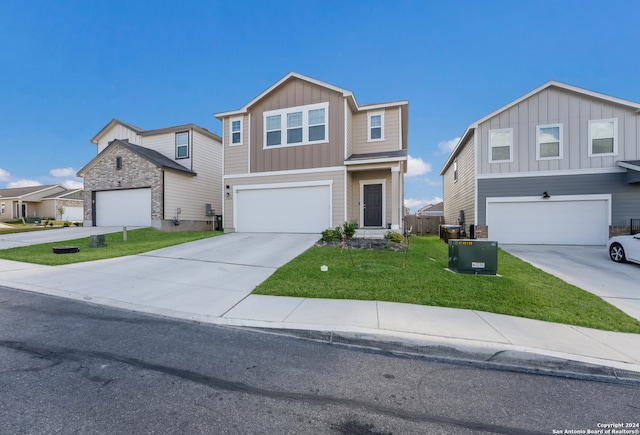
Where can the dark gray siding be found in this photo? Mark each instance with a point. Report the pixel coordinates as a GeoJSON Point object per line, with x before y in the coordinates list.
{"type": "Point", "coordinates": [625, 197]}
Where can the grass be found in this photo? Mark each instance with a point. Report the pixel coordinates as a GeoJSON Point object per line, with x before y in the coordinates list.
{"type": "Point", "coordinates": [522, 290]}
{"type": "Point", "coordinates": [138, 241]}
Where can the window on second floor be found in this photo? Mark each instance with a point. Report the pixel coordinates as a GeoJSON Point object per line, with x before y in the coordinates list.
{"type": "Point", "coordinates": [182, 145]}
{"type": "Point", "coordinates": [501, 145]}
{"type": "Point", "coordinates": [603, 137]}
{"type": "Point", "coordinates": [549, 142]}
{"type": "Point", "coordinates": [296, 126]}
{"type": "Point", "coordinates": [455, 170]}
{"type": "Point", "coordinates": [118, 163]}
{"type": "Point", "coordinates": [376, 126]}
{"type": "Point", "coordinates": [236, 132]}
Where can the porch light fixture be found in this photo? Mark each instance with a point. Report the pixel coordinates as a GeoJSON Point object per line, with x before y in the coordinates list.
{"type": "Point", "coordinates": [545, 195]}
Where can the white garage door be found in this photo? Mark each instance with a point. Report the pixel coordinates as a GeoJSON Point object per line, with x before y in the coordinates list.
{"type": "Point", "coordinates": [555, 221]}
{"type": "Point", "coordinates": [305, 209]}
{"type": "Point", "coordinates": [130, 208]}
{"type": "Point", "coordinates": [74, 214]}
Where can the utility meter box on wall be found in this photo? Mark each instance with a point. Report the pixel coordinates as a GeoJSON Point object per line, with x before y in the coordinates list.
{"type": "Point", "coordinates": [477, 257]}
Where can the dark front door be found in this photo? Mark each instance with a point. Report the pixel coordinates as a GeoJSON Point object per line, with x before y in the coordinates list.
{"type": "Point", "coordinates": [372, 205]}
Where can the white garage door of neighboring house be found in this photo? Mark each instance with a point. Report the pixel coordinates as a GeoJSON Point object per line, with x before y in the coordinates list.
{"type": "Point", "coordinates": [131, 207]}
{"type": "Point", "coordinates": [74, 214]}
{"type": "Point", "coordinates": [564, 220]}
{"type": "Point", "coordinates": [303, 209]}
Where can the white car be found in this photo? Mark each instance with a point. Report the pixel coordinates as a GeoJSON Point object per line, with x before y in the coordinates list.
{"type": "Point", "coordinates": [624, 248]}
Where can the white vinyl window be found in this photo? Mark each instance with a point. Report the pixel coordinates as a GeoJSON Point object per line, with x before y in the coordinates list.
{"type": "Point", "coordinates": [549, 142]}
{"type": "Point", "coordinates": [236, 131]}
{"type": "Point", "coordinates": [455, 170]}
{"type": "Point", "coordinates": [293, 126]}
{"type": "Point", "coordinates": [3, 208]}
{"type": "Point", "coordinates": [501, 145]}
{"type": "Point", "coordinates": [603, 137]}
{"type": "Point", "coordinates": [375, 126]}
{"type": "Point", "coordinates": [182, 145]}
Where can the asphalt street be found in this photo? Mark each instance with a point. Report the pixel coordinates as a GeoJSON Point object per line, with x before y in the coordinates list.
{"type": "Point", "coordinates": [70, 367]}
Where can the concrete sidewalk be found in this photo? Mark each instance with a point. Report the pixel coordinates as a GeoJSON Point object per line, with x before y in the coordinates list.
{"type": "Point", "coordinates": [217, 289]}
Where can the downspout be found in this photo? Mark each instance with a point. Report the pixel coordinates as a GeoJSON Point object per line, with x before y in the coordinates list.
{"type": "Point", "coordinates": [191, 147]}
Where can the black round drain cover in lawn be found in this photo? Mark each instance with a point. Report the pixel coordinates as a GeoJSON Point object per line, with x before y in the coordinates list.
{"type": "Point", "coordinates": [65, 249]}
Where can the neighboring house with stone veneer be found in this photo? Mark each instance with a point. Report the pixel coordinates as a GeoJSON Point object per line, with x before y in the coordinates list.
{"type": "Point", "coordinates": [40, 201]}
{"type": "Point", "coordinates": [304, 156]}
{"type": "Point", "coordinates": [165, 178]}
{"type": "Point", "coordinates": [559, 165]}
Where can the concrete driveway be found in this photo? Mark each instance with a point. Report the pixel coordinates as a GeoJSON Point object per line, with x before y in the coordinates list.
{"type": "Point", "coordinates": [205, 277]}
{"type": "Point", "coordinates": [587, 267]}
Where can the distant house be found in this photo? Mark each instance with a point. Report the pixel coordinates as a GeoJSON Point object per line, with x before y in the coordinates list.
{"type": "Point", "coordinates": [559, 165]}
{"type": "Point", "coordinates": [40, 201]}
{"type": "Point", "coordinates": [431, 210]}
{"type": "Point", "coordinates": [304, 156]}
{"type": "Point", "coordinates": [168, 178]}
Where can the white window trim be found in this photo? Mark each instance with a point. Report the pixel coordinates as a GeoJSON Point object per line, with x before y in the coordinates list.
{"type": "Point", "coordinates": [615, 138]}
{"type": "Point", "coordinates": [455, 170]}
{"type": "Point", "coordinates": [369, 115]}
{"type": "Point", "coordinates": [187, 145]}
{"type": "Point", "coordinates": [560, 145]}
{"type": "Point", "coordinates": [3, 208]}
{"type": "Point", "coordinates": [510, 131]}
{"type": "Point", "coordinates": [305, 125]}
{"type": "Point", "coordinates": [231, 121]}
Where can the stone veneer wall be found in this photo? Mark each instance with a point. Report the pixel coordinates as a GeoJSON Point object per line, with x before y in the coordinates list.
{"type": "Point", "coordinates": [136, 172]}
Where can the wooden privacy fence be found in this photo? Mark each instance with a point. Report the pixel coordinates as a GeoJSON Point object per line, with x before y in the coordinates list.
{"type": "Point", "coordinates": [423, 225]}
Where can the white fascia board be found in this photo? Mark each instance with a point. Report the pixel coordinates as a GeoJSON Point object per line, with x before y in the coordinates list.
{"type": "Point", "coordinates": [287, 172]}
{"type": "Point", "coordinates": [628, 166]}
{"type": "Point", "coordinates": [455, 151]}
{"type": "Point", "coordinates": [377, 106]}
{"type": "Point", "coordinates": [38, 191]}
{"type": "Point", "coordinates": [366, 162]}
{"type": "Point", "coordinates": [551, 173]}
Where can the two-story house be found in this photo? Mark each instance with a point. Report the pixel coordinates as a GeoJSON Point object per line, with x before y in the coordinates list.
{"type": "Point", "coordinates": [304, 156]}
{"type": "Point", "coordinates": [167, 178]}
{"type": "Point", "coordinates": [559, 165]}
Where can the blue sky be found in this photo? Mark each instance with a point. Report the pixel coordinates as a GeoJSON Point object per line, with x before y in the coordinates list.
{"type": "Point", "coordinates": [68, 67]}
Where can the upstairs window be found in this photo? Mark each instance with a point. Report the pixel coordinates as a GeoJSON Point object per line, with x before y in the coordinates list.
{"type": "Point", "coordinates": [301, 126]}
{"type": "Point", "coordinates": [182, 145]}
{"type": "Point", "coordinates": [500, 145]}
{"type": "Point", "coordinates": [118, 163]}
{"type": "Point", "coordinates": [603, 137]}
{"type": "Point", "coordinates": [236, 132]}
{"type": "Point", "coordinates": [549, 142]}
{"type": "Point", "coordinates": [455, 170]}
{"type": "Point", "coordinates": [376, 127]}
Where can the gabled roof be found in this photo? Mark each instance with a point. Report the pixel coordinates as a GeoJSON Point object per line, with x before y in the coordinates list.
{"type": "Point", "coordinates": [294, 75]}
{"type": "Point", "coordinates": [67, 194]}
{"type": "Point", "coordinates": [549, 84]}
{"type": "Point", "coordinates": [20, 192]}
{"type": "Point", "coordinates": [160, 160]}
{"type": "Point", "coordinates": [438, 207]}
{"type": "Point", "coordinates": [141, 132]}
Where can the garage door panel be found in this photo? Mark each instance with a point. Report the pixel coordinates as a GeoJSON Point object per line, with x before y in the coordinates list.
{"type": "Point", "coordinates": [289, 209]}
{"type": "Point", "coordinates": [570, 222]}
{"type": "Point", "coordinates": [129, 207]}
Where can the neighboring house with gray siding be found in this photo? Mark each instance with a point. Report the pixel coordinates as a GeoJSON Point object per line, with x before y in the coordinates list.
{"type": "Point", "coordinates": [165, 178]}
{"type": "Point", "coordinates": [304, 156]}
{"type": "Point", "coordinates": [559, 165]}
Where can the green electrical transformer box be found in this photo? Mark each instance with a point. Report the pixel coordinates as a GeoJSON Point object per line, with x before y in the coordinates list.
{"type": "Point", "coordinates": [477, 257]}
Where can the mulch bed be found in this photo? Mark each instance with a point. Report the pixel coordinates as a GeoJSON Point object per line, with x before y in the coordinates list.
{"type": "Point", "coordinates": [371, 244]}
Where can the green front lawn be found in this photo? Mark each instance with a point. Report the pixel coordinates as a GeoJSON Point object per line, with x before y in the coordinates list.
{"type": "Point", "coordinates": [521, 290]}
{"type": "Point", "coordinates": [138, 241]}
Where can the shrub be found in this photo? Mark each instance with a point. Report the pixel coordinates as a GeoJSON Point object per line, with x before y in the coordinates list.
{"type": "Point", "coordinates": [332, 235]}
{"type": "Point", "coordinates": [66, 224]}
{"type": "Point", "coordinates": [77, 224]}
{"type": "Point", "coordinates": [349, 229]}
{"type": "Point", "coordinates": [394, 237]}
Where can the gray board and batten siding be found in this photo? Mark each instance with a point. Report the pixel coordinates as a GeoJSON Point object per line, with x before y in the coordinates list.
{"type": "Point", "coordinates": [624, 196]}
{"type": "Point", "coordinates": [574, 111]}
